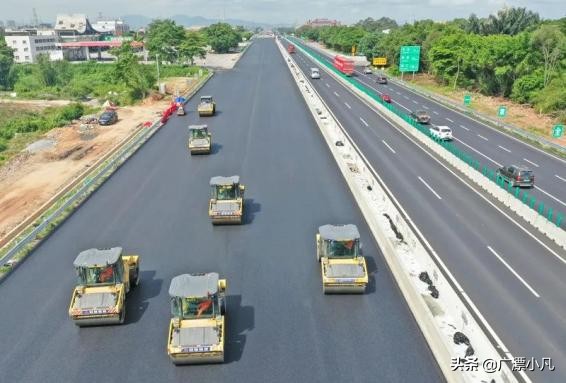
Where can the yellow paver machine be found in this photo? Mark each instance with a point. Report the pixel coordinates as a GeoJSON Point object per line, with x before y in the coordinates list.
{"type": "Point", "coordinates": [226, 204]}
{"type": "Point", "coordinates": [105, 276]}
{"type": "Point", "coordinates": [343, 267]}
{"type": "Point", "coordinates": [197, 327]}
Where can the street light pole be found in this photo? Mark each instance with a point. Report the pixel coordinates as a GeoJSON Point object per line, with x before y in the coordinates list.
{"type": "Point", "coordinates": [157, 62]}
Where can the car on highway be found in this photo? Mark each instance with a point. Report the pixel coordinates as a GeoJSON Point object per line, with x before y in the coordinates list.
{"type": "Point", "coordinates": [343, 268]}
{"type": "Point", "coordinates": [180, 110]}
{"type": "Point", "coordinates": [197, 329]}
{"type": "Point", "coordinates": [443, 133]}
{"type": "Point", "coordinates": [104, 277]}
{"type": "Point", "coordinates": [315, 73]}
{"type": "Point", "coordinates": [367, 70]}
{"type": "Point", "coordinates": [421, 116]}
{"type": "Point", "coordinates": [226, 204]}
{"type": "Point", "coordinates": [386, 98]}
{"type": "Point", "coordinates": [109, 117]}
{"type": "Point", "coordinates": [381, 79]}
{"type": "Point", "coordinates": [517, 176]}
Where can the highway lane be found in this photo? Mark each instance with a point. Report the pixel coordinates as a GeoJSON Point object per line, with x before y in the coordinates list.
{"type": "Point", "coordinates": [490, 146]}
{"type": "Point", "coordinates": [281, 328]}
{"type": "Point", "coordinates": [462, 228]}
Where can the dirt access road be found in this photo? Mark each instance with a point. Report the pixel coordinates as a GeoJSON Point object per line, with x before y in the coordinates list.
{"type": "Point", "coordinates": [34, 176]}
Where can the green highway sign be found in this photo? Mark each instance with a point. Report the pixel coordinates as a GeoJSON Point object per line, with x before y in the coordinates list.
{"type": "Point", "coordinates": [502, 111]}
{"type": "Point", "coordinates": [409, 58]}
{"type": "Point", "coordinates": [467, 100]}
{"type": "Point", "coordinates": [558, 131]}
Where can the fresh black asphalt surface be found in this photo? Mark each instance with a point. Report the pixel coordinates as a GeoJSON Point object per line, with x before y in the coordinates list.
{"type": "Point", "coordinates": [460, 226]}
{"type": "Point", "coordinates": [280, 328]}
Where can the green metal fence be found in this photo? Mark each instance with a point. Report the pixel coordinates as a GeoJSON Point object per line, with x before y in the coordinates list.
{"type": "Point", "coordinates": [544, 210]}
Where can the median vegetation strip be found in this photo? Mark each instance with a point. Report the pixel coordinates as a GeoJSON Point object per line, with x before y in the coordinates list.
{"type": "Point", "coordinates": [512, 54]}
{"type": "Point", "coordinates": [441, 309]}
{"type": "Point", "coordinates": [544, 210]}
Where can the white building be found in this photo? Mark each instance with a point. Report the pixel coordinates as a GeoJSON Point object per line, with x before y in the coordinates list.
{"type": "Point", "coordinates": [114, 27]}
{"type": "Point", "coordinates": [28, 44]}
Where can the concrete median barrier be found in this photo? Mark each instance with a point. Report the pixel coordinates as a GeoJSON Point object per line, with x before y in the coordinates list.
{"type": "Point", "coordinates": [452, 326]}
{"type": "Point", "coordinates": [538, 220]}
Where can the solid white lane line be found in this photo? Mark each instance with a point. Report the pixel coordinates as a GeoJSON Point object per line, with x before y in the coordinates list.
{"type": "Point", "coordinates": [560, 178]}
{"type": "Point", "coordinates": [363, 121]}
{"type": "Point", "coordinates": [336, 94]}
{"type": "Point", "coordinates": [482, 137]}
{"type": "Point", "coordinates": [550, 195]}
{"type": "Point", "coordinates": [530, 162]}
{"type": "Point", "coordinates": [527, 231]}
{"type": "Point", "coordinates": [328, 86]}
{"type": "Point", "coordinates": [501, 147]}
{"type": "Point", "coordinates": [449, 119]}
{"type": "Point", "coordinates": [463, 127]}
{"type": "Point", "coordinates": [514, 273]}
{"type": "Point", "coordinates": [414, 102]}
{"type": "Point", "coordinates": [407, 109]}
{"type": "Point", "coordinates": [389, 147]}
{"type": "Point", "coordinates": [435, 112]}
{"type": "Point", "coordinates": [429, 188]}
{"type": "Point", "coordinates": [347, 105]}
{"type": "Point", "coordinates": [477, 151]}
{"type": "Point", "coordinates": [424, 106]}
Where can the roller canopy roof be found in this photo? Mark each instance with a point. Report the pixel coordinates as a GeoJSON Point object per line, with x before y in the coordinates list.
{"type": "Point", "coordinates": [98, 257]}
{"type": "Point", "coordinates": [339, 233]}
{"type": "Point", "coordinates": [194, 285]}
{"type": "Point", "coordinates": [224, 181]}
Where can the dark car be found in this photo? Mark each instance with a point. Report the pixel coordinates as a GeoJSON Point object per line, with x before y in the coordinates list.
{"type": "Point", "coordinates": [386, 98]}
{"type": "Point", "coordinates": [108, 118]}
{"type": "Point", "coordinates": [517, 176]}
{"type": "Point", "coordinates": [420, 116]}
{"type": "Point", "coordinates": [381, 79]}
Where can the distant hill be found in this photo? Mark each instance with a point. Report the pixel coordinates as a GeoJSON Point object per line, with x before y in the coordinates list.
{"type": "Point", "coordinates": [139, 21]}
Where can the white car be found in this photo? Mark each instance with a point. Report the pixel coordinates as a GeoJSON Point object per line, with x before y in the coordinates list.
{"type": "Point", "coordinates": [441, 132]}
{"type": "Point", "coordinates": [367, 70]}
{"type": "Point", "coordinates": [315, 73]}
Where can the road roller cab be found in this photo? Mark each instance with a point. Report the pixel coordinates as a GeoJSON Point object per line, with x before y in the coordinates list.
{"type": "Point", "coordinates": [197, 326]}
{"type": "Point", "coordinates": [226, 204]}
{"type": "Point", "coordinates": [343, 267]}
{"type": "Point", "coordinates": [105, 276]}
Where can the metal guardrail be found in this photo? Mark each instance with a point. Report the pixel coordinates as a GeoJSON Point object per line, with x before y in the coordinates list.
{"type": "Point", "coordinates": [92, 181]}
{"type": "Point", "coordinates": [544, 210]}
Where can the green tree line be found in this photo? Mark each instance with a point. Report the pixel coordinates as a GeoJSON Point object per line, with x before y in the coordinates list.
{"type": "Point", "coordinates": [125, 80]}
{"type": "Point", "coordinates": [512, 54]}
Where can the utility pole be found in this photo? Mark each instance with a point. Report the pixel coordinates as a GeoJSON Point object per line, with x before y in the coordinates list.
{"type": "Point", "coordinates": [157, 62]}
{"type": "Point", "coordinates": [35, 19]}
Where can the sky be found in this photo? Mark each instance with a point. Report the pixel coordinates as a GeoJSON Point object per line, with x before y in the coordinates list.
{"type": "Point", "coordinates": [275, 11]}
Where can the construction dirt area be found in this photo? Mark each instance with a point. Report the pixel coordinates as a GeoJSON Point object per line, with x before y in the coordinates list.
{"type": "Point", "coordinates": [34, 176]}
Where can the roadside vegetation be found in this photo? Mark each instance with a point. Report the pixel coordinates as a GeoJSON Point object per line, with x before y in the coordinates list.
{"type": "Point", "coordinates": [513, 54]}
{"type": "Point", "coordinates": [127, 80]}
{"type": "Point", "coordinates": [124, 82]}
{"type": "Point", "coordinates": [17, 125]}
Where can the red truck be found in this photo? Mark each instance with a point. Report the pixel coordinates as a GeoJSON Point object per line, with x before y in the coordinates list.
{"type": "Point", "coordinates": [344, 65]}
{"type": "Point", "coordinates": [291, 48]}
